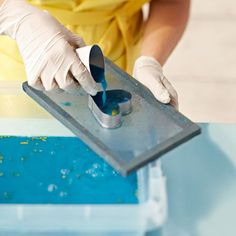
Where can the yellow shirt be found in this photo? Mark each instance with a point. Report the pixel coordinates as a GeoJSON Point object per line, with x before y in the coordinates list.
{"type": "Point", "coordinates": [115, 25]}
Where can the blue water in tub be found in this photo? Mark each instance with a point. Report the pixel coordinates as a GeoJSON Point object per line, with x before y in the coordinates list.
{"type": "Point", "coordinates": [59, 170]}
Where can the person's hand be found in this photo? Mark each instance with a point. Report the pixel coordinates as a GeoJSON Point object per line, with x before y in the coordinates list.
{"type": "Point", "coordinates": [148, 71]}
{"type": "Point", "coordinates": [47, 48]}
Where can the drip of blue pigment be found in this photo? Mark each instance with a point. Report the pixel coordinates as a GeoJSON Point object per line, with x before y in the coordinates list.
{"type": "Point", "coordinates": [99, 76]}
{"type": "Point", "coordinates": [104, 87]}
{"type": "Point", "coordinates": [111, 107]}
{"type": "Point", "coordinates": [113, 99]}
{"type": "Point", "coordinates": [59, 170]}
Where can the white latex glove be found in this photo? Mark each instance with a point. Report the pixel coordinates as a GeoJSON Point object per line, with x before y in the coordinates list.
{"type": "Point", "coordinates": [47, 48]}
{"type": "Point", "coordinates": [148, 71]}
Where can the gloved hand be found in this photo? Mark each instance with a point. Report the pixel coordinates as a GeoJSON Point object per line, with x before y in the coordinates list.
{"type": "Point", "coordinates": [148, 71]}
{"type": "Point", "coordinates": [47, 48]}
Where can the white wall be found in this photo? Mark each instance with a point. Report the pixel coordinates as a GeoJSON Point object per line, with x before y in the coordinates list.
{"type": "Point", "coordinates": [203, 67]}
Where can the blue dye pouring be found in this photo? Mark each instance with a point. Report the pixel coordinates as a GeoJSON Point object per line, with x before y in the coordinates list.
{"type": "Point", "coordinates": [99, 76]}
{"type": "Point", "coordinates": [104, 87]}
{"type": "Point", "coordinates": [114, 98]}
{"type": "Point", "coordinates": [59, 170]}
{"type": "Point", "coordinates": [109, 107]}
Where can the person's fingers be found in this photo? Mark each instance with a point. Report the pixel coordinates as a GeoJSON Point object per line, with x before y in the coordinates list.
{"type": "Point", "coordinates": [160, 92]}
{"type": "Point", "coordinates": [157, 88]}
{"type": "Point", "coordinates": [74, 39]}
{"type": "Point", "coordinates": [56, 72]}
{"type": "Point", "coordinates": [66, 82]}
{"type": "Point", "coordinates": [84, 78]}
{"type": "Point", "coordinates": [36, 84]}
{"type": "Point", "coordinates": [170, 88]}
{"type": "Point", "coordinates": [149, 75]}
{"type": "Point", "coordinates": [172, 91]}
{"type": "Point", "coordinates": [64, 78]}
{"type": "Point", "coordinates": [34, 74]}
{"type": "Point", "coordinates": [175, 104]}
{"type": "Point", "coordinates": [48, 83]}
{"type": "Point", "coordinates": [148, 71]}
{"type": "Point", "coordinates": [77, 40]}
{"type": "Point", "coordinates": [47, 77]}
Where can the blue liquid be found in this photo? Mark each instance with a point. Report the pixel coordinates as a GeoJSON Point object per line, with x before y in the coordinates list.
{"type": "Point", "coordinates": [104, 95]}
{"type": "Point", "coordinates": [113, 99]}
{"type": "Point", "coordinates": [99, 76]}
{"type": "Point", "coordinates": [59, 170]}
{"type": "Point", "coordinates": [111, 109]}
{"type": "Point", "coordinates": [111, 106]}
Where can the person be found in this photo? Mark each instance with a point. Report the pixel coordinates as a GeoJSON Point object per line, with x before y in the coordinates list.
{"type": "Point", "coordinates": [44, 35]}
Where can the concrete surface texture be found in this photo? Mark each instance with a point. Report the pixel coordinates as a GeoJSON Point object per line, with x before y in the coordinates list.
{"type": "Point", "coordinates": [202, 68]}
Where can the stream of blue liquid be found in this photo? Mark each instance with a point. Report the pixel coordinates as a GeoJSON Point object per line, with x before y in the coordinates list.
{"type": "Point", "coordinates": [106, 106]}
{"type": "Point", "coordinates": [98, 74]}
{"type": "Point", "coordinates": [59, 170]}
{"type": "Point", "coordinates": [104, 94]}
{"type": "Point", "coordinates": [111, 106]}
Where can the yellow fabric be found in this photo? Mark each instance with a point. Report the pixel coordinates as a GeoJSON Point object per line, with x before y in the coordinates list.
{"type": "Point", "coordinates": [115, 25]}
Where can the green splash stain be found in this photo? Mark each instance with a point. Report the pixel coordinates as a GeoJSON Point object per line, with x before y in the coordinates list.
{"type": "Point", "coordinates": [66, 104]}
{"type": "Point", "coordinates": [7, 196]}
{"type": "Point", "coordinates": [1, 159]}
{"type": "Point", "coordinates": [16, 174]}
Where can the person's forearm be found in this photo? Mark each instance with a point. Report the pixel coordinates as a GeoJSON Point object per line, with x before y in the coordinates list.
{"type": "Point", "coordinates": [165, 26]}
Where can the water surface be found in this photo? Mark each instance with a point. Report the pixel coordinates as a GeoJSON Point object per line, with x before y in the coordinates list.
{"type": "Point", "coordinates": [59, 170]}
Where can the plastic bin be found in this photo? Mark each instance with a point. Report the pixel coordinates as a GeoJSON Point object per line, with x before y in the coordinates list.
{"type": "Point", "coordinates": [100, 219]}
{"type": "Point", "coordinates": [137, 219]}
{"type": "Point", "coordinates": [149, 214]}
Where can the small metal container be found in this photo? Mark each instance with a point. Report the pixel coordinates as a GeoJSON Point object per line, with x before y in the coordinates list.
{"type": "Point", "coordinates": [124, 106]}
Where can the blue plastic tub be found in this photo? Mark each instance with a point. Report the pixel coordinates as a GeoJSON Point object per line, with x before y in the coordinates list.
{"type": "Point", "coordinates": [57, 184]}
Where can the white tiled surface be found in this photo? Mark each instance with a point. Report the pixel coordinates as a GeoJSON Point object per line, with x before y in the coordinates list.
{"type": "Point", "coordinates": [203, 67]}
